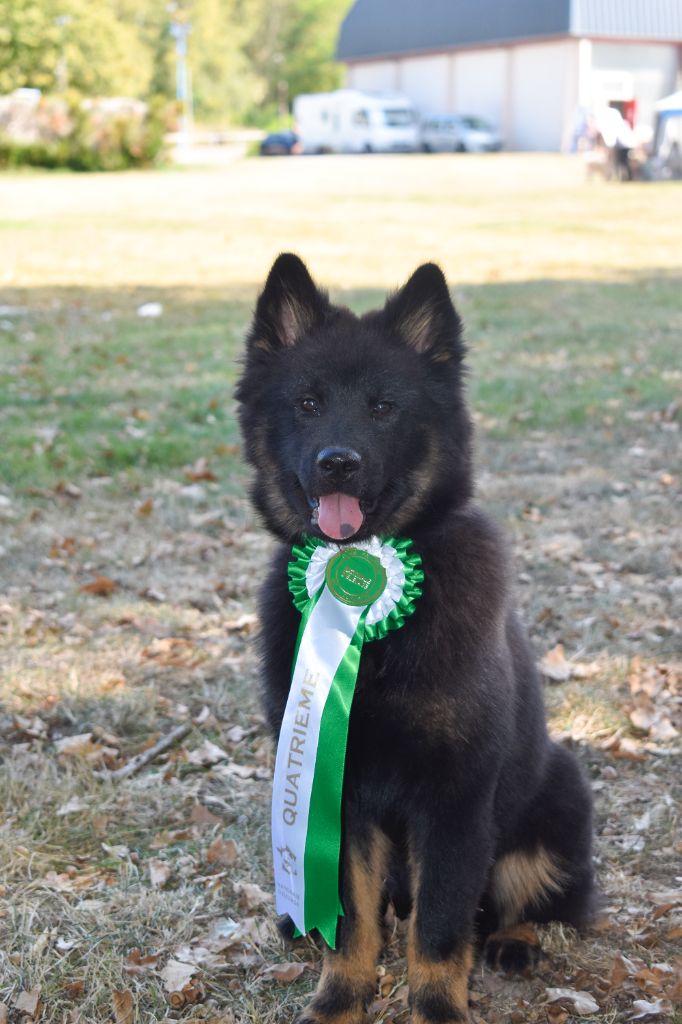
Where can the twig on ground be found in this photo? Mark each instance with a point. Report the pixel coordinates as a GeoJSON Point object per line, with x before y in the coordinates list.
{"type": "Point", "coordinates": [140, 760]}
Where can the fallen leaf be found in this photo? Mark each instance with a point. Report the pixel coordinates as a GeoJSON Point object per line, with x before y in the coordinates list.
{"type": "Point", "coordinates": [622, 970]}
{"type": "Point", "coordinates": [251, 895]}
{"type": "Point", "coordinates": [246, 960]}
{"type": "Point", "coordinates": [663, 731]}
{"type": "Point", "coordinates": [113, 681]}
{"type": "Point", "coordinates": [554, 665]}
{"type": "Point", "coordinates": [582, 1002]}
{"type": "Point", "coordinates": [74, 989]}
{"type": "Point", "coordinates": [123, 1006]}
{"type": "Point", "coordinates": [655, 1008]}
{"type": "Point", "coordinates": [101, 586]}
{"type": "Point", "coordinates": [555, 1015]}
{"type": "Point", "coordinates": [222, 851]}
{"type": "Point", "coordinates": [283, 973]}
{"type": "Point", "coordinates": [176, 975]}
{"type": "Point", "coordinates": [73, 806]}
{"type": "Point", "coordinates": [28, 1001]}
{"type": "Point", "coordinates": [159, 872]}
{"type": "Point", "coordinates": [199, 471]}
{"type": "Point", "coordinates": [75, 746]}
{"type": "Point", "coordinates": [221, 934]}
{"type": "Point", "coordinates": [253, 931]}
{"type": "Point", "coordinates": [246, 622]}
{"type": "Point", "coordinates": [171, 651]}
{"type": "Point", "coordinates": [33, 727]}
{"type": "Point", "coordinates": [117, 850]}
{"type": "Point", "coordinates": [241, 771]}
{"type": "Point", "coordinates": [207, 754]}
{"type": "Point", "coordinates": [138, 964]}
{"type": "Point", "coordinates": [68, 490]}
{"type": "Point", "coordinates": [643, 718]}
{"type": "Point", "coordinates": [201, 816]}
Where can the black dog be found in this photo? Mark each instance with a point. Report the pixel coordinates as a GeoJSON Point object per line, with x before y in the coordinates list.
{"type": "Point", "coordinates": [457, 807]}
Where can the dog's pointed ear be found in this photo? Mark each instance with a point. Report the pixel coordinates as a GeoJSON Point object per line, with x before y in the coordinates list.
{"type": "Point", "coordinates": [423, 316]}
{"type": "Point", "coordinates": [289, 306]}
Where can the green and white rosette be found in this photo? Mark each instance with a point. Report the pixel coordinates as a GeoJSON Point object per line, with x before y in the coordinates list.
{"type": "Point", "coordinates": [347, 596]}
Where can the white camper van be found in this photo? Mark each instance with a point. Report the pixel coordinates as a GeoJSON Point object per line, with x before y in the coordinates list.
{"type": "Point", "coordinates": [348, 121]}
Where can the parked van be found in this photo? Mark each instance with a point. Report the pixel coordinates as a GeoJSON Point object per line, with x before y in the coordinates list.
{"type": "Point", "coordinates": [454, 133]}
{"type": "Point", "coordinates": [349, 121]}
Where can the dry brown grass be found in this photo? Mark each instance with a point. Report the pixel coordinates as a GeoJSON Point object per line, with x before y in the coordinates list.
{"type": "Point", "coordinates": [360, 222]}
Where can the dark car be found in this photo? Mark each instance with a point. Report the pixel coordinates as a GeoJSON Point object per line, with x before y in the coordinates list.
{"type": "Point", "coordinates": [280, 144]}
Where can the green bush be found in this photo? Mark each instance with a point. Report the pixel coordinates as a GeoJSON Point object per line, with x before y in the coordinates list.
{"type": "Point", "coordinates": [99, 137]}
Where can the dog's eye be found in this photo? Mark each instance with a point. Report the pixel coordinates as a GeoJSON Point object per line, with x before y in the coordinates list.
{"type": "Point", "coordinates": [381, 409]}
{"type": "Point", "coordinates": [309, 406]}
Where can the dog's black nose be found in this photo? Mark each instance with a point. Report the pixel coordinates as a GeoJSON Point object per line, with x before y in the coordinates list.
{"type": "Point", "coordinates": [338, 463]}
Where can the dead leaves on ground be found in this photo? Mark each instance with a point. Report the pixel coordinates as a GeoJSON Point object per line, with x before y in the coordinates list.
{"type": "Point", "coordinates": [582, 1003]}
{"type": "Point", "coordinates": [653, 990]}
{"type": "Point", "coordinates": [558, 669]}
{"type": "Point", "coordinates": [28, 1002]}
{"type": "Point", "coordinates": [123, 1006]}
{"type": "Point", "coordinates": [656, 706]}
{"type": "Point", "coordinates": [101, 586]}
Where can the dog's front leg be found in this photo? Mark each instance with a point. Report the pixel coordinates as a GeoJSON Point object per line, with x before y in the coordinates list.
{"type": "Point", "coordinates": [449, 862]}
{"type": "Point", "coordinates": [348, 980]}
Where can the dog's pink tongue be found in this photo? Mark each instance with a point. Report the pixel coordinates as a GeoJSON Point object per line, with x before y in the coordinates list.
{"type": "Point", "coordinates": [340, 516]}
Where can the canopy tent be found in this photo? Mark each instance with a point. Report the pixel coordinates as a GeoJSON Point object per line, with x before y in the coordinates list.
{"type": "Point", "coordinates": [670, 104]}
{"type": "Point", "coordinates": [667, 150]}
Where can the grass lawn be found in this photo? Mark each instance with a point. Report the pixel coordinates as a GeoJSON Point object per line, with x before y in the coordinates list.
{"type": "Point", "coordinates": [129, 558]}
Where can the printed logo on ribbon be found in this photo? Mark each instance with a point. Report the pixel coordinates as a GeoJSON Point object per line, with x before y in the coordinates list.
{"type": "Point", "coordinates": [346, 596]}
{"type": "Point", "coordinates": [355, 576]}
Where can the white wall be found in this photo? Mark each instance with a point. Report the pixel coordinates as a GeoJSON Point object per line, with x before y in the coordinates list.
{"type": "Point", "coordinates": [426, 80]}
{"type": "Point", "coordinates": [543, 84]}
{"type": "Point", "coordinates": [479, 85]}
{"type": "Point", "coordinates": [531, 92]}
{"type": "Point", "coordinates": [374, 76]}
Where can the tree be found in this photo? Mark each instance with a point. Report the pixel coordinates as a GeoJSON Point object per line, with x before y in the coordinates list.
{"type": "Point", "coordinates": [86, 46]}
{"type": "Point", "coordinates": [292, 45]}
{"type": "Point", "coordinates": [247, 58]}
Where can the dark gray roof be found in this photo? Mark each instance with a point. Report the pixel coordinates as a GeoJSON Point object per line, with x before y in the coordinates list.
{"type": "Point", "coordinates": [374, 28]}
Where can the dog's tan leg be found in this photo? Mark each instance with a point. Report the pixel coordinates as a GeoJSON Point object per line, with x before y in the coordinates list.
{"type": "Point", "coordinates": [438, 988]}
{"type": "Point", "coordinates": [348, 979]}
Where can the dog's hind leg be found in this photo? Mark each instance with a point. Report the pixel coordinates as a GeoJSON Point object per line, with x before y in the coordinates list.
{"type": "Point", "coordinates": [547, 875]}
{"type": "Point", "coordinates": [348, 980]}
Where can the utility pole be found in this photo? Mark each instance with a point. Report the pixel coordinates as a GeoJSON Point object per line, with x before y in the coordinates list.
{"type": "Point", "coordinates": [62, 70]}
{"type": "Point", "coordinates": [180, 30]}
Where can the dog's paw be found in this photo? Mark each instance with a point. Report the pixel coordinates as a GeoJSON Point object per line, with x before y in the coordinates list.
{"type": "Point", "coordinates": [309, 1015]}
{"type": "Point", "coordinates": [514, 951]}
{"type": "Point", "coordinates": [286, 927]}
{"type": "Point", "coordinates": [329, 1007]}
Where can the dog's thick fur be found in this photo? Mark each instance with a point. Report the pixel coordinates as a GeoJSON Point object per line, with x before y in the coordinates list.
{"type": "Point", "coordinates": [457, 807]}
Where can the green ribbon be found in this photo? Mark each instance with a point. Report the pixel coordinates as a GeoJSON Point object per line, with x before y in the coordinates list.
{"type": "Point", "coordinates": [331, 635]}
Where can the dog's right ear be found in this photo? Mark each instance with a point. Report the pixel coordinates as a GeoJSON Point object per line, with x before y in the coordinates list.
{"type": "Point", "coordinates": [290, 306]}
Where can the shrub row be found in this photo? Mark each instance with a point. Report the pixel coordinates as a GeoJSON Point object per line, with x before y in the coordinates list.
{"type": "Point", "coordinates": [86, 135]}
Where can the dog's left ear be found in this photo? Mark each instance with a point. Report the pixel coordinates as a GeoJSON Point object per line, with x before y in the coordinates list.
{"type": "Point", "coordinates": [290, 305]}
{"type": "Point", "coordinates": [423, 315]}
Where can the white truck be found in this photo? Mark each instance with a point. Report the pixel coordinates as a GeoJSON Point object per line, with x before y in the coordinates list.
{"type": "Point", "coordinates": [349, 121]}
